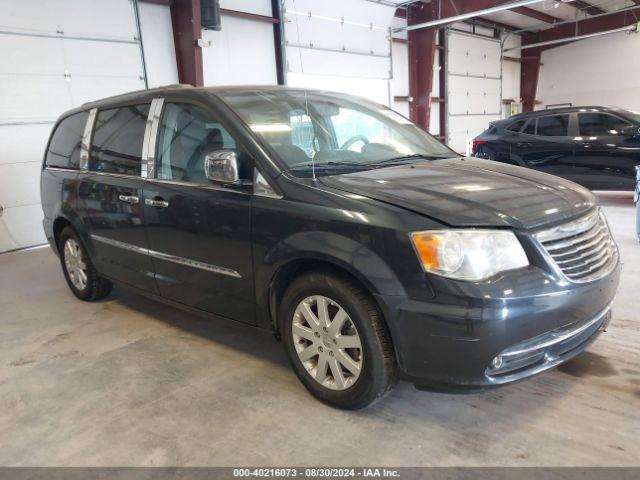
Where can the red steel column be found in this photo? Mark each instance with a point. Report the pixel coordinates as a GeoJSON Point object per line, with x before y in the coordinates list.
{"type": "Point", "coordinates": [529, 73]}
{"type": "Point", "coordinates": [422, 50]}
{"type": "Point", "coordinates": [187, 29]}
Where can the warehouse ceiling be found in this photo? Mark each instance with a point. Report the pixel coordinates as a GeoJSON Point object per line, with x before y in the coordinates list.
{"type": "Point", "coordinates": [542, 15]}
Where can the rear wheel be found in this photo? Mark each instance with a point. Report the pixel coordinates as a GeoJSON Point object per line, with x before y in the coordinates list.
{"type": "Point", "coordinates": [81, 276]}
{"type": "Point", "coordinates": [336, 340]}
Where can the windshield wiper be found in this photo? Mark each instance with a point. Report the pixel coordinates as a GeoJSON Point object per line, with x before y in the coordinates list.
{"type": "Point", "coordinates": [327, 165]}
{"type": "Point", "coordinates": [406, 158]}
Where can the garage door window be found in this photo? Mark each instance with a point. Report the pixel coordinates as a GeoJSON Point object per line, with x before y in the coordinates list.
{"type": "Point", "coordinates": [117, 140]}
{"type": "Point", "coordinates": [553, 126]}
{"type": "Point", "coordinates": [64, 148]}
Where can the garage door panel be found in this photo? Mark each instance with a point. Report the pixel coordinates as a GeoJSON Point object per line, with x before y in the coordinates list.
{"type": "Point", "coordinates": [463, 128]}
{"type": "Point", "coordinates": [57, 55]}
{"type": "Point", "coordinates": [89, 88]}
{"type": "Point", "coordinates": [23, 143]}
{"type": "Point", "coordinates": [19, 51]}
{"type": "Point", "coordinates": [108, 59]}
{"type": "Point", "coordinates": [21, 184]}
{"type": "Point", "coordinates": [21, 227]}
{"type": "Point", "coordinates": [374, 89]}
{"type": "Point", "coordinates": [30, 97]}
{"type": "Point", "coordinates": [472, 55]}
{"type": "Point", "coordinates": [112, 18]}
{"type": "Point", "coordinates": [473, 95]}
{"type": "Point", "coordinates": [323, 63]}
{"type": "Point", "coordinates": [400, 59]}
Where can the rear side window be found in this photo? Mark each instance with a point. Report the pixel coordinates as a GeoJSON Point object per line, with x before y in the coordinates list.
{"type": "Point", "coordinates": [64, 147]}
{"type": "Point", "coordinates": [515, 126]}
{"type": "Point", "coordinates": [116, 146]}
{"type": "Point", "coordinates": [553, 126]}
{"type": "Point", "coordinates": [599, 124]}
{"type": "Point", "coordinates": [531, 127]}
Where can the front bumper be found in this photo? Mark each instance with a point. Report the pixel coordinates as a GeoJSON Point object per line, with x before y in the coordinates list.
{"type": "Point", "coordinates": [529, 319]}
{"type": "Point", "coordinates": [546, 350]}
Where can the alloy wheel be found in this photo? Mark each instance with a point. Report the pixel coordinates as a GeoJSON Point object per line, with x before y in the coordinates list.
{"type": "Point", "coordinates": [327, 342]}
{"type": "Point", "coordinates": [76, 267]}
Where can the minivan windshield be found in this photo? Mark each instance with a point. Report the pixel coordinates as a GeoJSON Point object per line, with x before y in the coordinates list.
{"type": "Point", "coordinates": [332, 133]}
{"type": "Point", "coordinates": [630, 114]}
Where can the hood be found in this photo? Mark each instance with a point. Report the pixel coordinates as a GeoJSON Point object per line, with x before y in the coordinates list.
{"type": "Point", "coordinates": [470, 192]}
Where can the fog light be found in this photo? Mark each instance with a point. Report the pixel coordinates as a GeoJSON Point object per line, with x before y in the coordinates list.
{"type": "Point", "coordinates": [496, 362]}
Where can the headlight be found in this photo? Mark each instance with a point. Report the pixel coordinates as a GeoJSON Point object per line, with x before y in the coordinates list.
{"type": "Point", "coordinates": [468, 254]}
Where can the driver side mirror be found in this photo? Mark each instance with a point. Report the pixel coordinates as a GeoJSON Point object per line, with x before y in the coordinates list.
{"type": "Point", "coordinates": [221, 166]}
{"type": "Point", "coordinates": [631, 131]}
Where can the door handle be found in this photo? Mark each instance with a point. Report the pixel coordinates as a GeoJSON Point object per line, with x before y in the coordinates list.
{"type": "Point", "coordinates": [131, 199]}
{"type": "Point", "coordinates": [523, 144]}
{"type": "Point", "coordinates": [156, 202]}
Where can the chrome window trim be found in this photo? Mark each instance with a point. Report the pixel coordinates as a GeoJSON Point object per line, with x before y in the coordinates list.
{"type": "Point", "coordinates": [149, 141]}
{"type": "Point", "coordinates": [61, 169]}
{"type": "Point", "coordinates": [195, 185]}
{"type": "Point", "coordinates": [110, 174]}
{"type": "Point", "coordinates": [85, 145]}
{"type": "Point", "coordinates": [168, 257]}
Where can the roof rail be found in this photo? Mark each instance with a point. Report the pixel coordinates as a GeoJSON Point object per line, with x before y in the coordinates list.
{"type": "Point", "coordinates": [145, 90]}
{"type": "Point", "coordinates": [558, 105]}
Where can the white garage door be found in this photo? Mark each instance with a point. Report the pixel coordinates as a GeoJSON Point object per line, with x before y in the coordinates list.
{"type": "Point", "coordinates": [473, 86]}
{"type": "Point", "coordinates": [341, 45]}
{"type": "Point", "coordinates": [56, 54]}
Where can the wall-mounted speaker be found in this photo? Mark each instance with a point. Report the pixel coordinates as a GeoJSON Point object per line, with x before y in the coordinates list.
{"type": "Point", "coordinates": [210, 14]}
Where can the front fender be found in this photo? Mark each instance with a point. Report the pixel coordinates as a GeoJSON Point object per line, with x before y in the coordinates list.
{"type": "Point", "coordinates": [329, 248]}
{"type": "Point", "coordinates": [342, 251]}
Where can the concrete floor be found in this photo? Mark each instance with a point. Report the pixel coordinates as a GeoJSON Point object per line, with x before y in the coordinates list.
{"type": "Point", "coordinates": [128, 381]}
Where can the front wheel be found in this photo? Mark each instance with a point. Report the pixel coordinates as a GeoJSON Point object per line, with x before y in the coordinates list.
{"type": "Point", "coordinates": [336, 340]}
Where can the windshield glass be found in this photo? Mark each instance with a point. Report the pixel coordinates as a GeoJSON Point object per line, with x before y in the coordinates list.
{"type": "Point", "coordinates": [332, 131]}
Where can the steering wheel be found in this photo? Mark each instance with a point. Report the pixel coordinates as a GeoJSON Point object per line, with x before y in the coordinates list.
{"type": "Point", "coordinates": [354, 139]}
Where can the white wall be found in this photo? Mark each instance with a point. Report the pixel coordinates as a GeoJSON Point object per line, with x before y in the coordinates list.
{"type": "Point", "coordinates": [511, 69]}
{"type": "Point", "coordinates": [595, 71]}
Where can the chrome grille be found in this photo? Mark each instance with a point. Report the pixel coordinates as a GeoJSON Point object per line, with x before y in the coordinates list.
{"type": "Point", "coordinates": [583, 250]}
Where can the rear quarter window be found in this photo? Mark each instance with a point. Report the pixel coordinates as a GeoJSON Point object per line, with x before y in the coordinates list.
{"type": "Point", "coordinates": [515, 126]}
{"type": "Point", "coordinates": [64, 147]}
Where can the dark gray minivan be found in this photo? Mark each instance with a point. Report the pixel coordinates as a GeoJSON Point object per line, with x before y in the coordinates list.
{"type": "Point", "coordinates": [370, 249]}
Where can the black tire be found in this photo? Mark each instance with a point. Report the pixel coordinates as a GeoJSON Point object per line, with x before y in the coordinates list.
{"type": "Point", "coordinates": [378, 373]}
{"type": "Point", "coordinates": [96, 287]}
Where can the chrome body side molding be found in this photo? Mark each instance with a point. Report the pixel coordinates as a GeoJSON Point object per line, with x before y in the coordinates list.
{"type": "Point", "coordinates": [170, 258]}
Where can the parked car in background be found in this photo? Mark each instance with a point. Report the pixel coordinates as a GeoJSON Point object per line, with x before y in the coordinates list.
{"type": "Point", "coordinates": [372, 250]}
{"type": "Point", "coordinates": [597, 147]}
